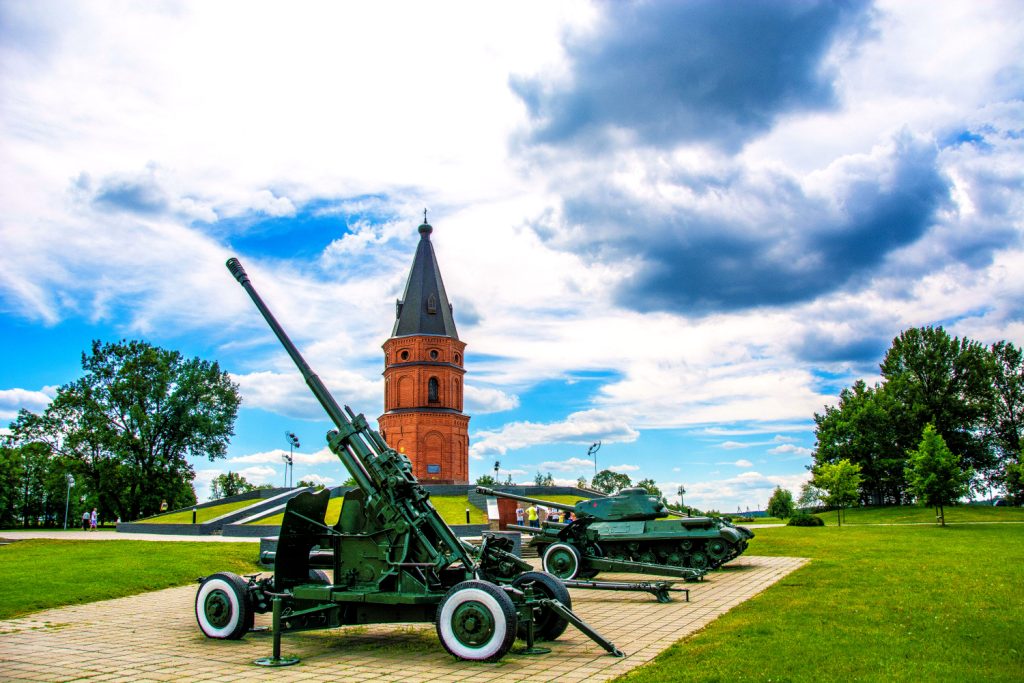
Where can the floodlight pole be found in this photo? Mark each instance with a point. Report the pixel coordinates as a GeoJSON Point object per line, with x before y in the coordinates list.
{"type": "Point", "coordinates": [67, 501]}
{"type": "Point", "coordinates": [289, 460]}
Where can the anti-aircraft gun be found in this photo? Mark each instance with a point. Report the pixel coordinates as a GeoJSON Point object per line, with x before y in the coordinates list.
{"type": "Point", "coordinates": [629, 532]}
{"type": "Point", "coordinates": [392, 556]}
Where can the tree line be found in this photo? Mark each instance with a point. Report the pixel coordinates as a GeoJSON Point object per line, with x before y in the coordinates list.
{"type": "Point", "coordinates": [122, 432]}
{"type": "Point", "coordinates": [937, 392]}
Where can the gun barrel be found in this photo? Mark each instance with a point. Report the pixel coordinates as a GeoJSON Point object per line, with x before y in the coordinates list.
{"type": "Point", "coordinates": [483, 490]}
{"type": "Point", "coordinates": [355, 451]}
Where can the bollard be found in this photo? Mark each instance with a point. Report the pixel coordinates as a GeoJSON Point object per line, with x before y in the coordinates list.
{"type": "Point", "coordinates": [193, 515]}
{"type": "Point", "coordinates": [467, 515]}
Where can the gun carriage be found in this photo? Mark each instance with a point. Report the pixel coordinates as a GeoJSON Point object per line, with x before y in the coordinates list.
{"type": "Point", "coordinates": [392, 558]}
{"type": "Point", "coordinates": [629, 532]}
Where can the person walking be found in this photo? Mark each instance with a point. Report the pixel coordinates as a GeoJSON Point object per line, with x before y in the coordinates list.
{"type": "Point", "coordinates": [85, 521]}
{"type": "Point", "coordinates": [519, 515]}
{"type": "Point", "coordinates": [93, 520]}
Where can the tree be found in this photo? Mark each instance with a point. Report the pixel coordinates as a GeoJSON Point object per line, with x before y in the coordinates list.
{"type": "Point", "coordinates": [309, 483]}
{"type": "Point", "coordinates": [810, 496]}
{"type": "Point", "coordinates": [781, 503]}
{"type": "Point", "coordinates": [861, 429]}
{"type": "Point", "coordinates": [544, 479]}
{"type": "Point", "coordinates": [581, 483]}
{"type": "Point", "coordinates": [1006, 419]}
{"type": "Point", "coordinates": [650, 487]}
{"type": "Point", "coordinates": [610, 482]}
{"type": "Point", "coordinates": [934, 474]}
{"type": "Point", "coordinates": [126, 427]}
{"type": "Point", "coordinates": [486, 480]}
{"type": "Point", "coordinates": [942, 381]}
{"type": "Point", "coordinates": [839, 483]}
{"type": "Point", "coordinates": [230, 484]}
{"type": "Point", "coordinates": [1013, 481]}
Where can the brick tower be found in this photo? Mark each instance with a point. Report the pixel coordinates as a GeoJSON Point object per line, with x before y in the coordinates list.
{"type": "Point", "coordinates": [423, 370]}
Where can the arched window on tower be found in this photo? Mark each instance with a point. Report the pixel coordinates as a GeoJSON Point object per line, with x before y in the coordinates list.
{"type": "Point", "coordinates": [432, 390]}
{"type": "Point", "coordinates": [431, 304]}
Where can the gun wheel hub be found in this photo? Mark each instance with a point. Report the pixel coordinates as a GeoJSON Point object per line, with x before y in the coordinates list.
{"type": "Point", "coordinates": [472, 624]}
{"type": "Point", "coordinates": [217, 608]}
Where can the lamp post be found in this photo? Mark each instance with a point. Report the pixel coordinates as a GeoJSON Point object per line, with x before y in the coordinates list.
{"type": "Point", "coordinates": [67, 501]}
{"type": "Point", "coordinates": [497, 464]}
{"type": "Point", "coordinates": [681, 490]}
{"type": "Point", "coordinates": [592, 451]}
{"type": "Point", "coordinates": [289, 460]}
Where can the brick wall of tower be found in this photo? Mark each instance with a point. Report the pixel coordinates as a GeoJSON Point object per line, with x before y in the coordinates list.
{"type": "Point", "coordinates": [423, 398]}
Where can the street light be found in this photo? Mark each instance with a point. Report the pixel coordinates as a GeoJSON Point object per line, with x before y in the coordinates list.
{"type": "Point", "coordinates": [67, 502]}
{"type": "Point", "coordinates": [592, 451]}
{"type": "Point", "coordinates": [681, 490]}
{"type": "Point", "coordinates": [289, 460]}
{"type": "Point", "coordinates": [497, 464]}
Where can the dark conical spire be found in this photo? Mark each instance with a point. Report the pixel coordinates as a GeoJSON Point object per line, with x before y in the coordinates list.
{"type": "Point", "coordinates": [424, 308]}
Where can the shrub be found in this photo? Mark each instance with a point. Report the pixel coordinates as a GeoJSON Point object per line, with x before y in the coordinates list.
{"type": "Point", "coordinates": [743, 520]}
{"type": "Point", "coordinates": [801, 518]}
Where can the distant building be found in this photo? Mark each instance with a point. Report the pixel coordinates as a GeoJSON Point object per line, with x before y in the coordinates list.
{"type": "Point", "coordinates": [423, 377]}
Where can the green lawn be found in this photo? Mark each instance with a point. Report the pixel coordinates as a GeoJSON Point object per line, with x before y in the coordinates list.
{"type": "Point", "coordinates": [914, 603]}
{"type": "Point", "coordinates": [915, 514]}
{"type": "Point", "coordinates": [452, 509]}
{"type": "Point", "coordinates": [38, 574]}
{"type": "Point", "coordinates": [202, 514]}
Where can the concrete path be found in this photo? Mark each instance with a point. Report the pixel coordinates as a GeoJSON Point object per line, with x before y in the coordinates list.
{"type": "Point", "coordinates": [154, 637]}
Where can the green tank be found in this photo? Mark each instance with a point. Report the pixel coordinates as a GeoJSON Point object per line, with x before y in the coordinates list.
{"type": "Point", "coordinates": [631, 531]}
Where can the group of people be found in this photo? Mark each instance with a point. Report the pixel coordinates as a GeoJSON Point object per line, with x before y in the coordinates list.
{"type": "Point", "coordinates": [535, 515]}
{"type": "Point", "coordinates": [90, 520]}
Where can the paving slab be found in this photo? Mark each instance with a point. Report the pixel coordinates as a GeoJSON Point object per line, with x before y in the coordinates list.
{"type": "Point", "coordinates": [154, 637]}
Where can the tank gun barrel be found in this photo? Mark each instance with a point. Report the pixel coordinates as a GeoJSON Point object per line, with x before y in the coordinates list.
{"type": "Point", "coordinates": [483, 490]}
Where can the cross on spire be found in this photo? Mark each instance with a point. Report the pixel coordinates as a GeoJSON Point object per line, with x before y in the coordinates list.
{"type": "Point", "coordinates": [424, 215]}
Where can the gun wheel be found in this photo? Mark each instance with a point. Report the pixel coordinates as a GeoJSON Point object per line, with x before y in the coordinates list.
{"type": "Point", "coordinates": [224, 607]}
{"type": "Point", "coordinates": [562, 560]}
{"type": "Point", "coordinates": [547, 624]}
{"type": "Point", "coordinates": [477, 621]}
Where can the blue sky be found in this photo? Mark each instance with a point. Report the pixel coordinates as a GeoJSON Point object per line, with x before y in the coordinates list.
{"type": "Point", "coordinates": [676, 228]}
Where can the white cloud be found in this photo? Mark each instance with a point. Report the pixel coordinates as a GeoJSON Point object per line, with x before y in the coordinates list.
{"type": "Point", "coordinates": [277, 456]}
{"type": "Point", "coordinates": [790, 448]}
{"type": "Point", "coordinates": [743, 463]}
{"type": "Point", "coordinates": [570, 465]}
{"type": "Point", "coordinates": [624, 468]}
{"type": "Point", "coordinates": [581, 427]}
{"type": "Point", "coordinates": [317, 479]}
{"type": "Point", "coordinates": [13, 400]}
{"type": "Point", "coordinates": [480, 401]}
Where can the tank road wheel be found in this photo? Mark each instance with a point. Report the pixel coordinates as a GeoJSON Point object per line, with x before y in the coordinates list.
{"type": "Point", "coordinates": [717, 549]}
{"type": "Point", "coordinates": [224, 607]}
{"type": "Point", "coordinates": [548, 625]}
{"type": "Point", "coordinates": [562, 560]}
{"type": "Point", "coordinates": [476, 620]}
{"type": "Point", "coordinates": [698, 560]}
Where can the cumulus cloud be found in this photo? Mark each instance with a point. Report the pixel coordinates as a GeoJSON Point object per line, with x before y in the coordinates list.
{"type": "Point", "coordinates": [639, 73]}
{"type": "Point", "coordinates": [277, 456]}
{"type": "Point", "coordinates": [624, 468]}
{"type": "Point", "coordinates": [792, 449]}
{"type": "Point", "coordinates": [583, 427]}
{"type": "Point", "coordinates": [483, 400]}
{"type": "Point", "coordinates": [13, 400]}
{"type": "Point", "coordinates": [570, 465]}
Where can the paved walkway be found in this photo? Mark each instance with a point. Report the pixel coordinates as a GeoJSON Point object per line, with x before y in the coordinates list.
{"type": "Point", "coordinates": [154, 637]}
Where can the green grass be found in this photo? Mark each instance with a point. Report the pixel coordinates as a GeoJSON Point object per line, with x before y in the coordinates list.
{"type": "Point", "coordinates": [452, 509]}
{"type": "Point", "coordinates": [202, 514]}
{"type": "Point", "coordinates": [39, 574]}
{"type": "Point", "coordinates": [917, 514]}
{"type": "Point", "coordinates": [914, 603]}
